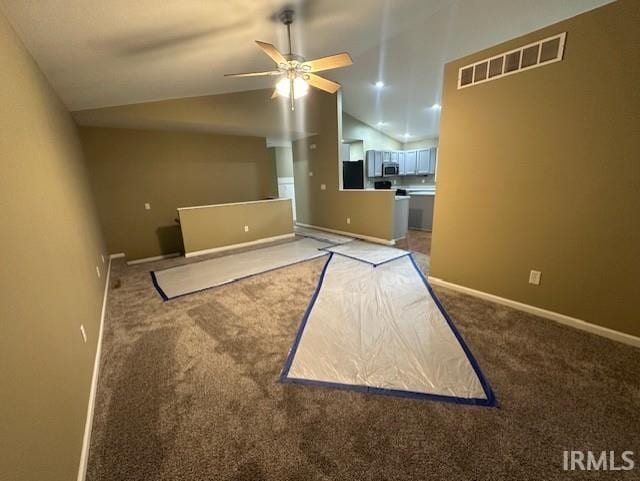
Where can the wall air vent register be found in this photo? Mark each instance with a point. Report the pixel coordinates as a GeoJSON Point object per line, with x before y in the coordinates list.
{"type": "Point", "coordinates": [537, 54]}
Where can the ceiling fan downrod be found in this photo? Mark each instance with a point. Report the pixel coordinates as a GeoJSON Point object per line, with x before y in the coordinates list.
{"type": "Point", "coordinates": [286, 17]}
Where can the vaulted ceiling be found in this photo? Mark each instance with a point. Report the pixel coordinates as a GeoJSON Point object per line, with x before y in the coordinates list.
{"type": "Point", "coordinates": [103, 53]}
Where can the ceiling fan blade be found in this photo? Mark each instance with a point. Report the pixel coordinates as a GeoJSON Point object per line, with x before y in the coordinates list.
{"type": "Point", "coordinates": [322, 83]}
{"type": "Point", "coordinates": [338, 60]}
{"type": "Point", "coordinates": [272, 52]}
{"type": "Point", "coordinates": [253, 74]}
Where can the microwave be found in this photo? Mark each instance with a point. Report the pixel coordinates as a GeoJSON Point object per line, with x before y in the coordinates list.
{"type": "Point", "coordinates": [390, 169]}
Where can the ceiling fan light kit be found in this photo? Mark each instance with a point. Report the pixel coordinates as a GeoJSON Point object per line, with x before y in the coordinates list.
{"type": "Point", "coordinates": [295, 71]}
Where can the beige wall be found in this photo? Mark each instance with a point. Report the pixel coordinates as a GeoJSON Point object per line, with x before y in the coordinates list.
{"type": "Point", "coordinates": [354, 129]}
{"type": "Point", "coordinates": [371, 213]}
{"type": "Point", "coordinates": [420, 144]}
{"type": "Point", "coordinates": [283, 157]}
{"type": "Point", "coordinates": [130, 167]}
{"type": "Point", "coordinates": [50, 246]}
{"type": "Point", "coordinates": [540, 170]}
{"type": "Point", "coordinates": [250, 113]}
{"type": "Point", "coordinates": [209, 227]}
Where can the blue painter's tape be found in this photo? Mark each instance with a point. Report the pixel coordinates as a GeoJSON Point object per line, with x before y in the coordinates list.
{"type": "Point", "coordinates": [328, 249]}
{"type": "Point", "coordinates": [305, 317]}
{"type": "Point", "coordinates": [154, 279]}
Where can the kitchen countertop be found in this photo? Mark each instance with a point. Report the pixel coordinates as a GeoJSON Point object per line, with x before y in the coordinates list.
{"type": "Point", "coordinates": [410, 191]}
{"type": "Point", "coordinates": [423, 192]}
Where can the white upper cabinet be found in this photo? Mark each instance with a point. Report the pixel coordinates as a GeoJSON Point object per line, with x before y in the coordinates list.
{"type": "Point", "coordinates": [374, 163]}
{"type": "Point", "coordinates": [411, 162]}
{"type": "Point", "coordinates": [432, 160]}
{"type": "Point", "coordinates": [401, 163]}
{"type": "Point", "coordinates": [423, 161]}
{"type": "Point", "coordinates": [378, 163]}
{"type": "Point", "coordinates": [345, 152]}
{"type": "Point", "coordinates": [370, 159]}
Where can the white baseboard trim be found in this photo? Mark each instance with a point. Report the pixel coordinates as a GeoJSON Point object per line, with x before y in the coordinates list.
{"type": "Point", "coordinates": [376, 240]}
{"type": "Point", "coordinates": [237, 246]}
{"type": "Point", "coordinates": [538, 311]}
{"type": "Point", "coordinates": [117, 255]}
{"type": "Point", "coordinates": [154, 258]}
{"type": "Point", "coordinates": [86, 441]}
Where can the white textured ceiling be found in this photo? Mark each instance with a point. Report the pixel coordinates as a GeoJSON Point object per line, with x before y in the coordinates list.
{"type": "Point", "coordinates": [100, 53]}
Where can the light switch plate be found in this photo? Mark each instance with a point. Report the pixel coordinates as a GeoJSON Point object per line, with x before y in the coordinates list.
{"type": "Point", "coordinates": [348, 220]}
{"type": "Point", "coordinates": [323, 186]}
{"type": "Point", "coordinates": [147, 206]}
{"type": "Point", "coordinates": [246, 228]}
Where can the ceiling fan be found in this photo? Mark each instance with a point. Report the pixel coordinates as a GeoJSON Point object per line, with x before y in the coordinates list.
{"type": "Point", "coordinates": [297, 73]}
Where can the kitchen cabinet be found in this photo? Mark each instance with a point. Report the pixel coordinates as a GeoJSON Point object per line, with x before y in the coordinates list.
{"type": "Point", "coordinates": [401, 163]}
{"type": "Point", "coordinates": [432, 160]}
{"type": "Point", "coordinates": [378, 163]}
{"type": "Point", "coordinates": [411, 162]}
{"type": "Point", "coordinates": [423, 161]}
{"type": "Point", "coordinates": [370, 160]}
{"type": "Point", "coordinates": [374, 163]}
{"type": "Point", "coordinates": [345, 152]}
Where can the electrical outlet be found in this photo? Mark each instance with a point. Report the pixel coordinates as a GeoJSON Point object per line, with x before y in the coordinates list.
{"type": "Point", "coordinates": [312, 147]}
{"type": "Point", "coordinates": [310, 174]}
{"type": "Point", "coordinates": [98, 271]}
{"type": "Point", "coordinates": [323, 186]}
{"type": "Point", "coordinates": [147, 206]}
{"type": "Point", "coordinates": [394, 181]}
{"type": "Point", "coordinates": [348, 220]}
{"type": "Point", "coordinates": [84, 334]}
{"type": "Point", "coordinates": [534, 277]}
{"type": "Point", "coordinates": [424, 180]}
{"type": "Point", "coordinates": [246, 228]}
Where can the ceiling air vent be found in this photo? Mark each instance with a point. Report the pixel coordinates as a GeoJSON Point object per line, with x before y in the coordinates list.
{"type": "Point", "coordinates": [530, 56]}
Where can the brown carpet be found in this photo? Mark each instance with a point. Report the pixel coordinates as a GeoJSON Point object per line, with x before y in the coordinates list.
{"type": "Point", "coordinates": [416, 241]}
{"type": "Point", "coordinates": [188, 391]}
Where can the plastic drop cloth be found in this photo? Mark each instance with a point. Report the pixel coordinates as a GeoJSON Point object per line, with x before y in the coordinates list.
{"type": "Point", "coordinates": [197, 276]}
{"type": "Point", "coordinates": [374, 254]}
{"type": "Point", "coordinates": [381, 329]}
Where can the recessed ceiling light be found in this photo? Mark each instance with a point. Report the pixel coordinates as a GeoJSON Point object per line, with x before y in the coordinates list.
{"type": "Point", "coordinates": [379, 84]}
{"type": "Point", "coordinates": [407, 135]}
{"type": "Point", "coordinates": [436, 107]}
{"type": "Point", "coordinates": [381, 124]}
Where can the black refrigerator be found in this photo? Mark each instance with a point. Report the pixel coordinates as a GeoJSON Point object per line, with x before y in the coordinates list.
{"type": "Point", "coordinates": [353, 175]}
